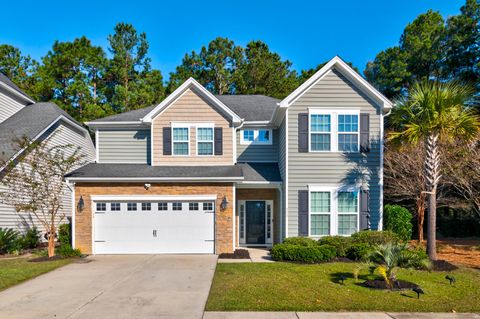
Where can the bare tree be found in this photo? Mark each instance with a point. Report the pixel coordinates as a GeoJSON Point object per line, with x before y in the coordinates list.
{"type": "Point", "coordinates": [34, 182]}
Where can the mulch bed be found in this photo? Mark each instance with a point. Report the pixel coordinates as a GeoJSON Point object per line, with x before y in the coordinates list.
{"type": "Point", "coordinates": [443, 265]}
{"type": "Point", "coordinates": [45, 258]}
{"type": "Point", "coordinates": [381, 284]}
{"type": "Point", "coordinates": [237, 254]}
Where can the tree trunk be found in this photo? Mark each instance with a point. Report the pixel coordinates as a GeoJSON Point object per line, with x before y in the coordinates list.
{"type": "Point", "coordinates": [420, 216]}
{"type": "Point", "coordinates": [51, 244]}
{"type": "Point", "coordinates": [432, 164]}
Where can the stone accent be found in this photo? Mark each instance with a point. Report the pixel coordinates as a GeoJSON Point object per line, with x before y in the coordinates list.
{"type": "Point", "coordinates": [223, 218]}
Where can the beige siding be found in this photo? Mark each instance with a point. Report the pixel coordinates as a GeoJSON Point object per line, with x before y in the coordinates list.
{"type": "Point", "coordinates": [191, 108]}
{"type": "Point", "coordinates": [333, 91]}
{"type": "Point", "coordinates": [123, 146]}
{"type": "Point", "coordinates": [59, 134]}
{"type": "Point", "coordinates": [257, 153]}
{"type": "Point", "coordinates": [8, 105]}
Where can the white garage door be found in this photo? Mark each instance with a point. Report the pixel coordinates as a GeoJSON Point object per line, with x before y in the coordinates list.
{"type": "Point", "coordinates": [153, 227]}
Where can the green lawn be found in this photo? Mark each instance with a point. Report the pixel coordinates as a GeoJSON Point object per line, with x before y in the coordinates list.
{"type": "Point", "coordinates": [294, 287]}
{"type": "Point", "coordinates": [14, 271]}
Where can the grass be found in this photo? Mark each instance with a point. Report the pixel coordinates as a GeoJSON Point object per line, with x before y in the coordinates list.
{"type": "Point", "coordinates": [16, 270]}
{"type": "Point", "coordinates": [295, 287]}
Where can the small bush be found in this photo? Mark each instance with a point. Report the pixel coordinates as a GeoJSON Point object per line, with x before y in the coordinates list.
{"type": "Point", "coordinates": [8, 241]}
{"type": "Point", "coordinates": [303, 253]}
{"type": "Point", "coordinates": [66, 251]}
{"type": "Point", "coordinates": [300, 241]}
{"type": "Point", "coordinates": [341, 244]}
{"type": "Point", "coordinates": [359, 251]}
{"type": "Point", "coordinates": [64, 234]}
{"type": "Point", "coordinates": [417, 258]}
{"type": "Point", "coordinates": [373, 237]}
{"type": "Point", "coordinates": [31, 239]}
{"type": "Point", "coordinates": [398, 220]}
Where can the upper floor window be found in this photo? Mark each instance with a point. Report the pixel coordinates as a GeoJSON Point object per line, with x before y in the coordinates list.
{"type": "Point", "coordinates": [205, 141]}
{"type": "Point", "coordinates": [334, 131]}
{"type": "Point", "coordinates": [180, 140]}
{"type": "Point", "coordinates": [251, 136]}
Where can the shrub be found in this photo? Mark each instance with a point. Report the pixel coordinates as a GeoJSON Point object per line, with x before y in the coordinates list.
{"type": "Point", "coordinates": [64, 234]}
{"type": "Point", "coordinates": [300, 241]}
{"type": "Point", "coordinates": [8, 241]}
{"type": "Point", "coordinates": [303, 253]}
{"type": "Point", "coordinates": [66, 251]}
{"type": "Point", "coordinates": [373, 237]}
{"type": "Point", "coordinates": [31, 239]}
{"type": "Point", "coordinates": [398, 220]}
{"type": "Point", "coordinates": [340, 243]}
{"type": "Point", "coordinates": [359, 251]}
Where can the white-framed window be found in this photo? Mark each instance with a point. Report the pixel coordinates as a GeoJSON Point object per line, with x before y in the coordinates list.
{"type": "Point", "coordinates": [333, 210]}
{"type": "Point", "coordinates": [334, 130]}
{"type": "Point", "coordinates": [101, 207]}
{"type": "Point", "coordinates": [205, 141]}
{"type": "Point", "coordinates": [163, 206]}
{"type": "Point", "coordinates": [131, 206]}
{"type": "Point", "coordinates": [146, 206]}
{"type": "Point", "coordinates": [181, 141]}
{"type": "Point", "coordinates": [256, 136]}
{"type": "Point", "coordinates": [115, 207]}
{"type": "Point", "coordinates": [192, 206]}
{"type": "Point", "coordinates": [208, 206]}
{"type": "Point", "coordinates": [177, 206]}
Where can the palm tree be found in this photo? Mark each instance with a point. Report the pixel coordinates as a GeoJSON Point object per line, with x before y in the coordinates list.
{"type": "Point", "coordinates": [434, 112]}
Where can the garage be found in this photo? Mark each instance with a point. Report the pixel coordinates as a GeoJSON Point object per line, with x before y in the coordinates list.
{"type": "Point", "coordinates": [155, 225]}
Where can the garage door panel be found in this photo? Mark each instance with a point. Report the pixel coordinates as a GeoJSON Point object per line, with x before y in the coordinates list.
{"type": "Point", "coordinates": [185, 231]}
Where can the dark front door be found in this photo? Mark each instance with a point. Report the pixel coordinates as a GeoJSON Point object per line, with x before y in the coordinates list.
{"type": "Point", "coordinates": [255, 225]}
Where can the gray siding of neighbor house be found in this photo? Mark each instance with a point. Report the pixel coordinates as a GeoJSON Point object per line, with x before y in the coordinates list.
{"type": "Point", "coordinates": [124, 146]}
{"type": "Point", "coordinates": [58, 134]}
{"type": "Point", "coordinates": [257, 153]}
{"type": "Point", "coordinates": [9, 105]}
{"type": "Point", "coordinates": [333, 91]}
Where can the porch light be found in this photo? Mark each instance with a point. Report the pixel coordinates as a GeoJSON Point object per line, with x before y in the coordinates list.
{"type": "Point", "coordinates": [224, 203]}
{"type": "Point", "coordinates": [80, 204]}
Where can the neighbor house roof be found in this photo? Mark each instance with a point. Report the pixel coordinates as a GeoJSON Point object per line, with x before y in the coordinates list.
{"type": "Point", "coordinates": [30, 121]}
{"type": "Point", "coordinates": [146, 172]}
{"type": "Point", "coordinates": [5, 81]}
{"type": "Point", "coordinates": [130, 116]}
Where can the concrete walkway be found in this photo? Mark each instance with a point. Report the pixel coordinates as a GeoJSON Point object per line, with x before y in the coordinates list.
{"type": "Point", "coordinates": [134, 286]}
{"type": "Point", "coordinates": [337, 315]}
{"type": "Point", "coordinates": [257, 255]}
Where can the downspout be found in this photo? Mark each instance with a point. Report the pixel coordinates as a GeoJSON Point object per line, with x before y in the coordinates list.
{"type": "Point", "coordinates": [380, 181]}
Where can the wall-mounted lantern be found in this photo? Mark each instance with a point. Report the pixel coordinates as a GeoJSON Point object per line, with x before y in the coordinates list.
{"type": "Point", "coordinates": [80, 204]}
{"type": "Point", "coordinates": [224, 203]}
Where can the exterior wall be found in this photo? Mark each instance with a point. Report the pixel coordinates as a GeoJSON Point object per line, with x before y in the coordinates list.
{"type": "Point", "coordinates": [59, 134]}
{"type": "Point", "coordinates": [282, 166]}
{"type": "Point", "coordinates": [9, 105]}
{"type": "Point", "coordinates": [333, 91]}
{"type": "Point", "coordinates": [257, 153]}
{"type": "Point", "coordinates": [191, 108]}
{"type": "Point", "coordinates": [261, 194]}
{"type": "Point", "coordinates": [123, 145]}
{"type": "Point", "coordinates": [223, 219]}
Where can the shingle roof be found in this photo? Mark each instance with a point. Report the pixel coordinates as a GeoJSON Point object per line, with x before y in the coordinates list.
{"type": "Point", "coordinates": [254, 172]}
{"type": "Point", "coordinates": [260, 172]}
{"type": "Point", "coordinates": [29, 121]}
{"type": "Point", "coordinates": [251, 107]}
{"type": "Point", "coordinates": [248, 107]}
{"type": "Point", "coordinates": [12, 85]}
{"type": "Point", "coordinates": [101, 170]}
{"type": "Point", "coordinates": [134, 115]}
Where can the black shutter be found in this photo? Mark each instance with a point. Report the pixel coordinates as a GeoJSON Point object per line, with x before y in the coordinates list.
{"type": "Point", "coordinates": [167, 141]}
{"type": "Point", "coordinates": [364, 132]}
{"type": "Point", "coordinates": [218, 141]}
{"type": "Point", "coordinates": [303, 132]}
{"type": "Point", "coordinates": [364, 209]}
{"type": "Point", "coordinates": [302, 213]}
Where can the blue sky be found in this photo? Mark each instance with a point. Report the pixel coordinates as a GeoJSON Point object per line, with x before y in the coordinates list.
{"type": "Point", "coordinates": [305, 32]}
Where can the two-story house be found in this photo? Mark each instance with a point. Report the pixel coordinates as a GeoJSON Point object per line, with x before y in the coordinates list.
{"type": "Point", "coordinates": [204, 173]}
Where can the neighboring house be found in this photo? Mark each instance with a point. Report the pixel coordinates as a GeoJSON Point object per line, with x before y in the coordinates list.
{"type": "Point", "coordinates": [21, 117]}
{"type": "Point", "coordinates": [200, 173]}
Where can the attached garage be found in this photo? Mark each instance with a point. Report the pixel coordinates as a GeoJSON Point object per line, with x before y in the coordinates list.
{"type": "Point", "coordinates": [153, 225]}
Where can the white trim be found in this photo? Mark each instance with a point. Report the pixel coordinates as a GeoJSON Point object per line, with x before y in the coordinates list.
{"type": "Point", "coordinates": [191, 82]}
{"type": "Point", "coordinates": [256, 133]}
{"type": "Point", "coordinates": [212, 127]}
{"type": "Point", "coordinates": [234, 145]}
{"type": "Point", "coordinates": [115, 123]}
{"type": "Point", "coordinates": [286, 173]}
{"type": "Point", "coordinates": [71, 186]}
{"type": "Point", "coordinates": [380, 173]}
{"type": "Point", "coordinates": [334, 133]}
{"type": "Point", "coordinates": [242, 240]}
{"type": "Point", "coordinates": [154, 179]}
{"type": "Point", "coordinates": [97, 147]}
{"type": "Point", "coordinates": [209, 197]}
{"type": "Point", "coordinates": [180, 126]}
{"type": "Point", "coordinates": [347, 71]}
{"type": "Point", "coordinates": [23, 96]}
{"type": "Point", "coordinates": [334, 213]}
{"type": "Point", "coordinates": [151, 145]}
{"type": "Point", "coordinates": [234, 204]}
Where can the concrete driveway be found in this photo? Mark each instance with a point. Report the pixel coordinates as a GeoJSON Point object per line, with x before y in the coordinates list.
{"type": "Point", "coordinates": [134, 286]}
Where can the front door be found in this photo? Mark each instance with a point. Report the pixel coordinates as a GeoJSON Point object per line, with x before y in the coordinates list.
{"type": "Point", "coordinates": [255, 222]}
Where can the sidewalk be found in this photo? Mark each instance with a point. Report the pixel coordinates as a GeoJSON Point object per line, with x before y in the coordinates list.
{"type": "Point", "coordinates": [338, 315]}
